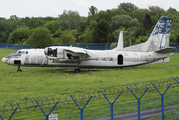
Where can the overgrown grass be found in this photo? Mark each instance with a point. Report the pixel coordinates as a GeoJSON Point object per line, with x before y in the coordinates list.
{"type": "Point", "coordinates": [39, 81]}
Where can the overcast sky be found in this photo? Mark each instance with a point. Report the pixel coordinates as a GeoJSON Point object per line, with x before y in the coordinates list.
{"type": "Point", "coordinates": [53, 8]}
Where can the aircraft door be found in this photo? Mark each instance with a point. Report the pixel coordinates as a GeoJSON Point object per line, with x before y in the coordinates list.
{"type": "Point", "coordinates": [120, 59]}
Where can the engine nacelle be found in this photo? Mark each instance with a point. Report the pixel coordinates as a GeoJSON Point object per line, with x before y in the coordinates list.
{"type": "Point", "coordinates": [54, 53]}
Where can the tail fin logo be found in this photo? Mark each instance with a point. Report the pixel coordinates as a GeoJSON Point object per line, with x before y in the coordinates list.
{"type": "Point", "coordinates": [163, 26]}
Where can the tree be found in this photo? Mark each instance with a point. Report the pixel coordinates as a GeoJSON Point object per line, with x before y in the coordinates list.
{"type": "Point", "coordinates": [52, 26]}
{"type": "Point", "coordinates": [69, 20]}
{"type": "Point", "coordinates": [147, 23]}
{"type": "Point", "coordinates": [155, 10]}
{"type": "Point", "coordinates": [88, 37]}
{"type": "Point", "coordinates": [142, 39]}
{"type": "Point", "coordinates": [92, 11]}
{"type": "Point", "coordinates": [67, 39]}
{"type": "Point", "coordinates": [18, 35]}
{"type": "Point", "coordinates": [172, 11]}
{"type": "Point", "coordinates": [14, 18]}
{"type": "Point", "coordinates": [140, 31]}
{"type": "Point", "coordinates": [41, 38]}
{"type": "Point", "coordinates": [134, 22]}
{"type": "Point", "coordinates": [120, 21]}
{"type": "Point", "coordinates": [139, 14]}
{"type": "Point", "coordinates": [128, 7]}
{"type": "Point", "coordinates": [102, 31]}
{"type": "Point", "coordinates": [3, 37]}
{"type": "Point", "coordinates": [81, 27]}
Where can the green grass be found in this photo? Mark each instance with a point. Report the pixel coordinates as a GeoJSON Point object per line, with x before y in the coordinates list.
{"type": "Point", "coordinates": [40, 81]}
{"type": "Point", "coordinates": [125, 108]}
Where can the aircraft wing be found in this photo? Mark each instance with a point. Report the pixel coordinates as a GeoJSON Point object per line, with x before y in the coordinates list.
{"type": "Point", "coordinates": [75, 50]}
{"type": "Point", "coordinates": [166, 50]}
{"type": "Point", "coordinates": [91, 55]}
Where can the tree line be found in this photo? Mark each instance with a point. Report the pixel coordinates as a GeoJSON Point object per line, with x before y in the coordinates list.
{"type": "Point", "coordinates": [97, 27]}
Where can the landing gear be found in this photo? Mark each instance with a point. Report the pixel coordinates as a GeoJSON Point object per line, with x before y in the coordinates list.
{"type": "Point", "coordinates": [18, 69]}
{"type": "Point", "coordinates": [77, 70]}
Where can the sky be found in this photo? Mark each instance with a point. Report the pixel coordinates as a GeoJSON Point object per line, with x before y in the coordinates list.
{"type": "Point", "coordinates": [53, 8]}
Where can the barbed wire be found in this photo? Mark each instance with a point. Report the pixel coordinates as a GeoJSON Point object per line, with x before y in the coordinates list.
{"type": "Point", "coordinates": [28, 104]}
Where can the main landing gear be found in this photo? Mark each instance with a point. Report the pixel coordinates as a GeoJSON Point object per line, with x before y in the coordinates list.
{"type": "Point", "coordinates": [77, 70]}
{"type": "Point", "coordinates": [18, 69]}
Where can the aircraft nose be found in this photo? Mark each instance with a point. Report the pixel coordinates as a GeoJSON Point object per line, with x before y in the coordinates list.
{"type": "Point", "coordinates": [4, 60]}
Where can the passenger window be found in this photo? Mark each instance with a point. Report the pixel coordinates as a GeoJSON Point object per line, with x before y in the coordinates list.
{"type": "Point", "coordinates": [23, 52]}
{"type": "Point", "coordinates": [26, 52]}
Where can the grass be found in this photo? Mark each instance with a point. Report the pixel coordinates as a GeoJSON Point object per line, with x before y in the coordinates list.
{"type": "Point", "coordinates": [40, 81]}
{"type": "Point", "coordinates": [124, 108]}
{"type": "Point", "coordinates": [170, 115]}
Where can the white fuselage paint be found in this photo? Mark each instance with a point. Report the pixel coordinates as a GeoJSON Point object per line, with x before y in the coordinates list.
{"type": "Point", "coordinates": [103, 59]}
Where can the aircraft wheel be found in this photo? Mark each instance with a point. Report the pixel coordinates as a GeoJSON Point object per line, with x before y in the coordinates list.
{"type": "Point", "coordinates": [77, 71]}
{"type": "Point", "coordinates": [19, 70]}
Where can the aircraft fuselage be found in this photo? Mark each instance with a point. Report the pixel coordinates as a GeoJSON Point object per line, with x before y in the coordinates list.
{"type": "Point", "coordinates": [102, 59]}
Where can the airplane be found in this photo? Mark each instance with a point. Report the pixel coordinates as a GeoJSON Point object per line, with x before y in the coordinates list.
{"type": "Point", "coordinates": [155, 50]}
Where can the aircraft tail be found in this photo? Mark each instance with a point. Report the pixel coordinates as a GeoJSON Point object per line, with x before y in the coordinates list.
{"type": "Point", "coordinates": [160, 36]}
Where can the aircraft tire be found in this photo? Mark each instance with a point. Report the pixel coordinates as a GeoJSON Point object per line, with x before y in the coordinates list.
{"type": "Point", "coordinates": [77, 71]}
{"type": "Point", "coordinates": [19, 71]}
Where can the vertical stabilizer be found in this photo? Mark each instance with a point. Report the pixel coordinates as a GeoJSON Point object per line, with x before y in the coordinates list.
{"type": "Point", "coordinates": [160, 36]}
{"type": "Point", "coordinates": [120, 41]}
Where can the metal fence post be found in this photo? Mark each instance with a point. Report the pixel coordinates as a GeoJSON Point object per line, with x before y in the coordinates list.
{"type": "Point", "coordinates": [162, 103]}
{"type": "Point", "coordinates": [176, 80]}
{"type": "Point", "coordinates": [81, 110]}
{"type": "Point", "coordinates": [11, 114]}
{"type": "Point", "coordinates": [138, 101]}
{"type": "Point", "coordinates": [177, 116]}
{"type": "Point", "coordinates": [1, 117]}
{"type": "Point", "coordinates": [46, 116]}
{"type": "Point", "coordinates": [111, 104]}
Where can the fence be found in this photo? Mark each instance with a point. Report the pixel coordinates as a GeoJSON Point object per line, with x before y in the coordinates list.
{"type": "Point", "coordinates": [82, 96]}
{"type": "Point", "coordinates": [120, 111]}
{"type": "Point", "coordinates": [29, 104]}
{"type": "Point", "coordinates": [10, 46]}
{"type": "Point", "coordinates": [93, 46]}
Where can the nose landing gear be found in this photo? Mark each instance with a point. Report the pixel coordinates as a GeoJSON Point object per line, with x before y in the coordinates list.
{"type": "Point", "coordinates": [18, 69]}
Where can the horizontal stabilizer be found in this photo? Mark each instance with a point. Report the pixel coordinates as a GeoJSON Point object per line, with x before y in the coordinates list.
{"type": "Point", "coordinates": [166, 50]}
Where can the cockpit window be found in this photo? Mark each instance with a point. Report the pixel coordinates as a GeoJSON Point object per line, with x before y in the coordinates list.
{"type": "Point", "coordinates": [13, 56]}
{"type": "Point", "coordinates": [19, 52]}
{"type": "Point", "coordinates": [22, 52]}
